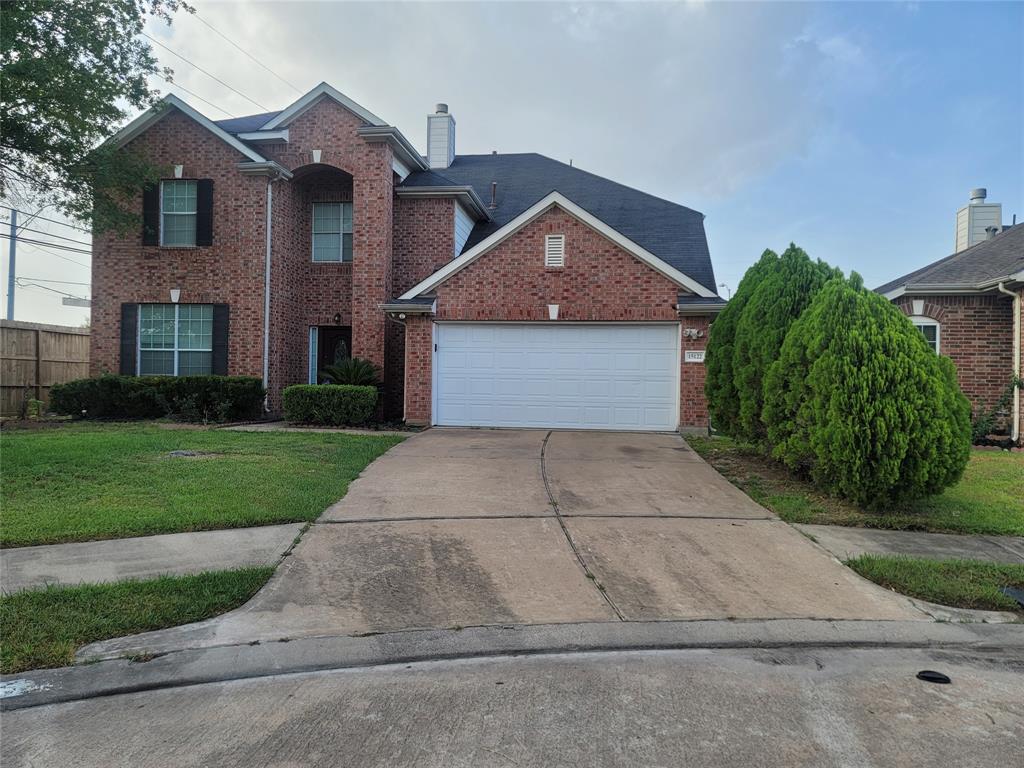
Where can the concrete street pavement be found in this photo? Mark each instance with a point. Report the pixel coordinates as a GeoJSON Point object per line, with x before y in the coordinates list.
{"type": "Point", "coordinates": [459, 528]}
{"type": "Point", "coordinates": [144, 557]}
{"type": "Point", "coordinates": [702, 707]}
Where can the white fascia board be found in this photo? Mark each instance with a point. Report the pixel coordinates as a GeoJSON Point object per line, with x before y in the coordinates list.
{"type": "Point", "coordinates": [461, 192]}
{"type": "Point", "coordinates": [531, 213]}
{"type": "Point", "coordinates": [895, 293]}
{"type": "Point", "coordinates": [401, 146]}
{"type": "Point", "coordinates": [305, 102]}
{"type": "Point", "coordinates": [258, 136]}
{"type": "Point", "coordinates": [400, 168]}
{"type": "Point", "coordinates": [160, 110]}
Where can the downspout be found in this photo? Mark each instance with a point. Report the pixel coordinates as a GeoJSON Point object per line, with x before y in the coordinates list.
{"type": "Point", "coordinates": [1015, 429]}
{"type": "Point", "coordinates": [266, 298]}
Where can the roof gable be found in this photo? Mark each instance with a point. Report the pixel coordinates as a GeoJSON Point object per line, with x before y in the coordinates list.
{"type": "Point", "coordinates": [322, 91]}
{"type": "Point", "coordinates": [470, 255]}
{"type": "Point", "coordinates": [162, 108]}
{"type": "Point", "coordinates": [673, 233]}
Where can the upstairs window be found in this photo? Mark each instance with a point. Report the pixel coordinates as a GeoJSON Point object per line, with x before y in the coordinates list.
{"type": "Point", "coordinates": [332, 232]}
{"type": "Point", "coordinates": [178, 213]}
{"type": "Point", "coordinates": [554, 251]}
{"type": "Point", "coordinates": [175, 339]}
{"type": "Point", "coordinates": [929, 328]}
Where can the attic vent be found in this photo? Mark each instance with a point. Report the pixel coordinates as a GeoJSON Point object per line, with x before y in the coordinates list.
{"type": "Point", "coordinates": [554, 251]}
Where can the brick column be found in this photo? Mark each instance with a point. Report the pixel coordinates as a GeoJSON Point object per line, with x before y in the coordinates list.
{"type": "Point", "coordinates": [372, 198]}
{"type": "Point", "coordinates": [419, 359]}
{"type": "Point", "coordinates": [693, 406]}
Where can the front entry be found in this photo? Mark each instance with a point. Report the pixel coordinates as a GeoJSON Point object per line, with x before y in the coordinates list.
{"type": "Point", "coordinates": [328, 345]}
{"type": "Point", "coordinates": [562, 375]}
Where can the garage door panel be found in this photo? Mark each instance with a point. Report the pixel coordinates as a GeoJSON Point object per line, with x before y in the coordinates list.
{"type": "Point", "coordinates": [599, 376]}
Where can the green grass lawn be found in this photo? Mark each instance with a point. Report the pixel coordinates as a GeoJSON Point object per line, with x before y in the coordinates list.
{"type": "Point", "coordinates": [43, 628]}
{"type": "Point", "coordinates": [959, 583]}
{"type": "Point", "coordinates": [89, 481]}
{"type": "Point", "coordinates": [988, 500]}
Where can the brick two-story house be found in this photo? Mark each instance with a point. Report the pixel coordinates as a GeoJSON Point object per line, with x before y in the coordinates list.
{"type": "Point", "coordinates": [492, 290]}
{"type": "Point", "coordinates": [968, 306]}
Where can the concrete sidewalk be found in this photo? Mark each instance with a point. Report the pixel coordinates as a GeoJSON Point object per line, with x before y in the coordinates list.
{"type": "Point", "coordinates": [846, 543]}
{"type": "Point", "coordinates": [144, 556]}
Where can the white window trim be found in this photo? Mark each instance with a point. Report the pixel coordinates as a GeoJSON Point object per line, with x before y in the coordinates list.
{"type": "Point", "coordinates": [176, 349]}
{"type": "Point", "coordinates": [341, 235]}
{"type": "Point", "coordinates": [920, 320]}
{"type": "Point", "coordinates": [178, 213]}
{"type": "Point", "coordinates": [554, 251]}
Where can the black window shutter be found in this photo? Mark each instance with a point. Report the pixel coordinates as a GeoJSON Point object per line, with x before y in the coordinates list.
{"type": "Point", "coordinates": [220, 340]}
{"type": "Point", "coordinates": [151, 214]}
{"type": "Point", "coordinates": [204, 212]}
{"type": "Point", "coordinates": [129, 334]}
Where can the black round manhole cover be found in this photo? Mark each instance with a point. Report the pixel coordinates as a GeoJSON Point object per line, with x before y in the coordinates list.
{"type": "Point", "coordinates": [931, 676]}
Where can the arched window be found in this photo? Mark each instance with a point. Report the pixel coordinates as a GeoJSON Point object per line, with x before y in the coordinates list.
{"type": "Point", "coordinates": [929, 328]}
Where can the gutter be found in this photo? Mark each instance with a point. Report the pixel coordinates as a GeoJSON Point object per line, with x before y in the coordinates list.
{"type": "Point", "coordinates": [464, 192]}
{"type": "Point", "coordinates": [1015, 430]}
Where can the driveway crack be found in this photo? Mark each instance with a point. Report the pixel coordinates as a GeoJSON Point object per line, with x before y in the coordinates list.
{"type": "Point", "coordinates": [568, 536]}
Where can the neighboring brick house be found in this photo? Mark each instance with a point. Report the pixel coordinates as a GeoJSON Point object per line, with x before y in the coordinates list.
{"type": "Point", "coordinates": [492, 290]}
{"type": "Point", "coordinates": [968, 306]}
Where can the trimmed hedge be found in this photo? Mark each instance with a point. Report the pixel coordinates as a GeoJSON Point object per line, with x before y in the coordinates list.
{"type": "Point", "coordinates": [189, 398]}
{"type": "Point", "coordinates": [858, 401]}
{"type": "Point", "coordinates": [329, 404]}
{"type": "Point", "coordinates": [719, 383]}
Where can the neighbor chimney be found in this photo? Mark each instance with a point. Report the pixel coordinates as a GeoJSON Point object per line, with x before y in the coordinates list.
{"type": "Point", "coordinates": [440, 138]}
{"type": "Point", "coordinates": [975, 219]}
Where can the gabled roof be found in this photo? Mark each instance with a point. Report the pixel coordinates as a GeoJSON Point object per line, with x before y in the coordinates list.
{"type": "Point", "coordinates": [468, 256]}
{"type": "Point", "coordinates": [322, 91]}
{"type": "Point", "coordinates": [162, 108]}
{"type": "Point", "coordinates": [976, 268]}
{"type": "Point", "coordinates": [672, 233]}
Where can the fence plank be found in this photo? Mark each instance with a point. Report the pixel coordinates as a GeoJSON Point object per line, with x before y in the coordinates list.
{"type": "Point", "coordinates": [35, 356]}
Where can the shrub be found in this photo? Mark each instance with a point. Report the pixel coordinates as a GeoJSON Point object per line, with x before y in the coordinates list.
{"type": "Point", "coordinates": [329, 404]}
{"type": "Point", "coordinates": [190, 398]}
{"type": "Point", "coordinates": [859, 402]}
{"type": "Point", "coordinates": [354, 371]}
{"type": "Point", "coordinates": [779, 298]}
{"type": "Point", "coordinates": [719, 385]}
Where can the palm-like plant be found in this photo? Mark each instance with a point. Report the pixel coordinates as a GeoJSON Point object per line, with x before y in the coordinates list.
{"type": "Point", "coordinates": [354, 370]}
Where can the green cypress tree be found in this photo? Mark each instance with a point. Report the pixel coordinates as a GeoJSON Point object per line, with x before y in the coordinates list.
{"type": "Point", "coordinates": [719, 387]}
{"type": "Point", "coordinates": [777, 301]}
{"type": "Point", "coordinates": [859, 402]}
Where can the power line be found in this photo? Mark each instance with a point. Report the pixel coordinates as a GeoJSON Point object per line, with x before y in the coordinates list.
{"type": "Point", "coordinates": [52, 253]}
{"type": "Point", "coordinates": [43, 242]}
{"type": "Point", "coordinates": [52, 221]}
{"type": "Point", "coordinates": [208, 74]}
{"type": "Point", "coordinates": [22, 284]}
{"type": "Point", "coordinates": [47, 280]}
{"type": "Point", "coordinates": [208, 24]}
{"type": "Point", "coordinates": [195, 95]}
{"type": "Point", "coordinates": [49, 234]}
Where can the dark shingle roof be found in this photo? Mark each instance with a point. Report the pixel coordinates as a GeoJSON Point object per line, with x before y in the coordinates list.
{"type": "Point", "coordinates": [672, 232]}
{"type": "Point", "coordinates": [989, 260]}
{"type": "Point", "coordinates": [247, 123]}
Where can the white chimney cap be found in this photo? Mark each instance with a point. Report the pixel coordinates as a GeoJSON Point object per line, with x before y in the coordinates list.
{"type": "Point", "coordinates": [978, 195]}
{"type": "Point", "coordinates": [441, 108]}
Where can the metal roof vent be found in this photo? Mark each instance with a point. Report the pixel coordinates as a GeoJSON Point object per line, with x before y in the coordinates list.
{"type": "Point", "coordinates": [978, 195]}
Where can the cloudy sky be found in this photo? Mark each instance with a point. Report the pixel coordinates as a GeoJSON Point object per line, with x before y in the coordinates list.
{"type": "Point", "coordinates": [854, 130]}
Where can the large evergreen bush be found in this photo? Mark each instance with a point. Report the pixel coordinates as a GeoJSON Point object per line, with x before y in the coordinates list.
{"type": "Point", "coordinates": [719, 386]}
{"type": "Point", "coordinates": [859, 402]}
{"type": "Point", "coordinates": [779, 298]}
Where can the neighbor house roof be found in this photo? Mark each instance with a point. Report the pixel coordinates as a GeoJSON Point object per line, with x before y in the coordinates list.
{"type": "Point", "coordinates": [979, 267]}
{"type": "Point", "coordinates": [671, 232]}
{"type": "Point", "coordinates": [246, 124]}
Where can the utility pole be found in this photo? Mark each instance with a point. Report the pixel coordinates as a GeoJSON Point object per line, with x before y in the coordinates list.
{"type": "Point", "coordinates": [12, 247]}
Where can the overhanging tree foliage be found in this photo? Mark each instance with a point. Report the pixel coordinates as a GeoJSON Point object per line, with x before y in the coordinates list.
{"type": "Point", "coordinates": [859, 402]}
{"type": "Point", "coordinates": [719, 385]}
{"type": "Point", "coordinates": [72, 70]}
{"type": "Point", "coordinates": [777, 301]}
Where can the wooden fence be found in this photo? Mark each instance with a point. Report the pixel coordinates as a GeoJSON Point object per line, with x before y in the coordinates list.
{"type": "Point", "coordinates": [34, 356]}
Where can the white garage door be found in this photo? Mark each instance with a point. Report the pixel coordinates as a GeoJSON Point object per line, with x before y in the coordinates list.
{"type": "Point", "coordinates": [562, 375]}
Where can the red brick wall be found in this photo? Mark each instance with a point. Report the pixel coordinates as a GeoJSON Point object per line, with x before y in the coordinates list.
{"type": "Point", "coordinates": [419, 352]}
{"type": "Point", "coordinates": [230, 271]}
{"type": "Point", "coordinates": [693, 406]}
{"type": "Point", "coordinates": [977, 333]}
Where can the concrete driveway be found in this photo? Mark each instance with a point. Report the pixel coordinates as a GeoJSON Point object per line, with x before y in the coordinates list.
{"type": "Point", "coordinates": [456, 528]}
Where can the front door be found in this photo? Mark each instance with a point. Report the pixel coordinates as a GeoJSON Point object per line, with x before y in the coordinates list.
{"type": "Point", "coordinates": [328, 345]}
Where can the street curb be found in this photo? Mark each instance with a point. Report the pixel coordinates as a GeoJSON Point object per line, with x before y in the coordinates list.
{"type": "Point", "coordinates": [239, 662]}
